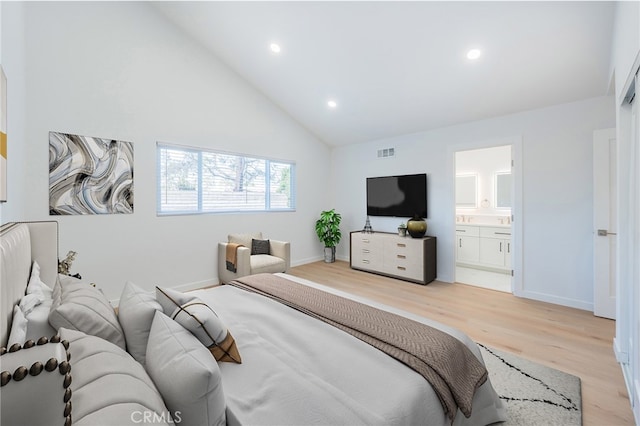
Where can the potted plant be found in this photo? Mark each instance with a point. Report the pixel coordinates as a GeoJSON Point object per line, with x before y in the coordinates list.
{"type": "Point", "coordinates": [402, 230]}
{"type": "Point", "coordinates": [328, 231]}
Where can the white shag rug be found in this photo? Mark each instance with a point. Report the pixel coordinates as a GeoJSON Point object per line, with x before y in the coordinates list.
{"type": "Point", "coordinates": [534, 394]}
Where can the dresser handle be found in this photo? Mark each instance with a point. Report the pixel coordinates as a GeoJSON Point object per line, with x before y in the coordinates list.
{"type": "Point", "coordinates": [366, 251]}
{"type": "Point", "coordinates": [502, 233]}
{"type": "Point", "coordinates": [402, 268]}
{"type": "Point", "coordinates": [365, 261]}
{"type": "Point", "coordinates": [401, 256]}
{"type": "Point", "coordinates": [365, 241]}
{"type": "Point", "coordinates": [401, 245]}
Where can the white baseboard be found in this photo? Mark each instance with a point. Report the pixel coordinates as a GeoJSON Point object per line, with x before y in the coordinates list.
{"type": "Point", "coordinates": [621, 357]}
{"type": "Point", "coordinates": [564, 301]}
{"type": "Point", "coordinates": [636, 404]}
{"type": "Point", "coordinates": [300, 262]}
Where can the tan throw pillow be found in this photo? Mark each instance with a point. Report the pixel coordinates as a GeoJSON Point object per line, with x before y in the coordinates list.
{"type": "Point", "coordinates": [202, 321]}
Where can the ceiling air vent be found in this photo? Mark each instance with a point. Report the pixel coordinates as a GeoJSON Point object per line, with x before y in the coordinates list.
{"type": "Point", "coordinates": [386, 153]}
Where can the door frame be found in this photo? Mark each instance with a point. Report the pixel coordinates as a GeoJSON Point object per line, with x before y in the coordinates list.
{"type": "Point", "coordinates": [516, 209]}
{"type": "Point", "coordinates": [604, 180]}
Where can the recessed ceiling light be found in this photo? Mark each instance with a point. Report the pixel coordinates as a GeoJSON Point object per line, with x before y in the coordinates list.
{"type": "Point", "coordinates": [474, 54]}
{"type": "Point", "coordinates": [332, 104]}
{"type": "Point", "coordinates": [275, 48]}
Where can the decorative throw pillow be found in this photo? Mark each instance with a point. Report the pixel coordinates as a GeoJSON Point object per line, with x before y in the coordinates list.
{"type": "Point", "coordinates": [36, 286]}
{"type": "Point", "coordinates": [18, 332]}
{"type": "Point", "coordinates": [28, 302]}
{"type": "Point", "coordinates": [109, 387]}
{"type": "Point", "coordinates": [197, 317]}
{"type": "Point", "coordinates": [68, 282]}
{"type": "Point", "coordinates": [85, 308]}
{"type": "Point", "coordinates": [186, 375]}
{"type": "Point", "coordinates": [260, 247]}
{"type": "Point", "coordinates": [135, 313]}
{"type": "Point", "coordinates": [35, 384]}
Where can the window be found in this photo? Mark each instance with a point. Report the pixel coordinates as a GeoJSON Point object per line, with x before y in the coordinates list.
{"type": "Point", "coordinates": [192, 180]}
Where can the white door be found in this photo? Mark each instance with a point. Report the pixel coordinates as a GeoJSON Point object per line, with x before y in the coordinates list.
{"type": "Point", "coordinates": [604, 222]}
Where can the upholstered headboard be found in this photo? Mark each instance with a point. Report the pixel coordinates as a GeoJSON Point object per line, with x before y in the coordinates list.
{"type": "Point", "coordinates": [20, 244]}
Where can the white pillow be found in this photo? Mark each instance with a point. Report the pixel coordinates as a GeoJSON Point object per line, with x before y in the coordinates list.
{"type": "Point", "coordinates": [177, 361]}
{"type": "Point", "coordinates": [18, 332]}
{"type": "Point", "coordinates": [29, 302]}
{"type": "Point", "coordinates": [109, 387]}
{"type": "Point", "coordinates": [38, 322]}
{"type": "Point", "coordinates": [37, 391]}
{"type": "Point", "coordinates": [135, 314]}
{"type": "Point", "coordinates": [36, 286]}
{"type": "Point", "coordinates": [202, 321]}
{"type": "Point", "coordinates": [85, 308]}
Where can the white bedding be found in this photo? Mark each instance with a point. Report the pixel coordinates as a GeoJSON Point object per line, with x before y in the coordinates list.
{"type": "Point", "coordinates": [297, 370]}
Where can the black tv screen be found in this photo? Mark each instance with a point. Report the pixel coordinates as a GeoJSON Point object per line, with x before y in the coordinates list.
{"type": "Point", "coordinates": [400, 196]}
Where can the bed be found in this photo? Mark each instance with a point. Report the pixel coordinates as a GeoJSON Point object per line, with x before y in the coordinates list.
{"type": "Point", "coordinates": [153, 363]}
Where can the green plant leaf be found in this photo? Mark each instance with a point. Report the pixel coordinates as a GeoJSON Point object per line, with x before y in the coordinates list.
{"type": "Point", "coordinates": [328, 228]}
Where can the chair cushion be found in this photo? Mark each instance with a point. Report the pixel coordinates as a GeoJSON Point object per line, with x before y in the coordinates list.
{"type": "Point", "coordinates": [265, 263]}
{"type": "Point", "coordinates": [244, 239]}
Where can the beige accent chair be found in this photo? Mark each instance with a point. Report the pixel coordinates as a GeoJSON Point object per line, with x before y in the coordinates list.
{"type": "Point", "coordinates": [279, 259]}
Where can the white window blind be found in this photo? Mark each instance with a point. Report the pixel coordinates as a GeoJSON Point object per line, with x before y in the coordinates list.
{"type": "Point", "coordinates": [194, 180]}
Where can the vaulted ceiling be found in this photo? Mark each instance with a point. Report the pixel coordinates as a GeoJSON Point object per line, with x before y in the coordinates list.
{"type": "Point", "coordinates": [396, 68]}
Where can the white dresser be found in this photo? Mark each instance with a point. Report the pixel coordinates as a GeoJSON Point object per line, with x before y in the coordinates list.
{"type": "Point", "coordinates": [407, 258]}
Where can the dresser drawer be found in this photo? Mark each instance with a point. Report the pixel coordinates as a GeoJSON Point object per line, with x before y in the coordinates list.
{"type": "Point", "coordinates": [404, 268]}
{"type": "Point", "coordinates": [366, 252]}
{"type": "Point", "coordinates": [365, 258]}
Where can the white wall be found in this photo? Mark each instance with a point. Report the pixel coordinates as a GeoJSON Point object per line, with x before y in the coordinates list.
{"type": "Point", "coordinates": [120, 70]}
{"type": "Point", "coordinates": [13, 52]}
{"type": "Point", "coordinates": [557, 190]}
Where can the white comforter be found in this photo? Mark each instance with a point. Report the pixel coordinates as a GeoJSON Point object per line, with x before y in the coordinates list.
{"type": "Point", "coordinates": [297, 370]}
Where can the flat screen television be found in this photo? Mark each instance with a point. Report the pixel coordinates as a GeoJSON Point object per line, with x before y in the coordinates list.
{"type": "Point", "coordinates": [399, 196]}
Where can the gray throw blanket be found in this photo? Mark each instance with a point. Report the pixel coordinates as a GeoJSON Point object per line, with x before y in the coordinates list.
{"type": "Point", "coordinates": [445, 362]}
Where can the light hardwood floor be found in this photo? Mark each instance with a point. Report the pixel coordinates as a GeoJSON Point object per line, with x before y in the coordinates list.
{"type": "Point", "coordinates": [567, 339]}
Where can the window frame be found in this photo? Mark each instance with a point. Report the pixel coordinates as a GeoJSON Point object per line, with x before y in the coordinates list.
{"type": "Point", "coordinates": [199, 186]}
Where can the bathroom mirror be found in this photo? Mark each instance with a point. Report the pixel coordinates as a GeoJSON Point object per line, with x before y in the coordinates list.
{"type": "Point", "coordinates": [467, 191]}
{"type": "Point", "coordinates": [503, 190]}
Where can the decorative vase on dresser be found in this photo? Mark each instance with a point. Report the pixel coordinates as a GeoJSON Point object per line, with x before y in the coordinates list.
{"type": "Point", "coordinates": [417, 227]}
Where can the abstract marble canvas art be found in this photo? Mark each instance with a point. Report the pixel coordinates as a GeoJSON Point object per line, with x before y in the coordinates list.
{"type": "Point", "coordinates": [89, 175]}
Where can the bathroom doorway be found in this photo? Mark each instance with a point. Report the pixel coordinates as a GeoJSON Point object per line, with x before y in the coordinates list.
{"type": "Point", "coordinates": [484, 193]}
